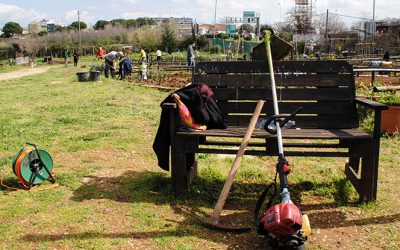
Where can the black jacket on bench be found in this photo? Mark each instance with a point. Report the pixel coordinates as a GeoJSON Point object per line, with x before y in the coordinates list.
{"type": "Point", "coordinates": [204, 110]}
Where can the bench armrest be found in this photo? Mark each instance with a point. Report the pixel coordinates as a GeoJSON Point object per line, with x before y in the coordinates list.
{"type": "Point", "coordinates": [377, 107]}
{"type": "Point", "coordinates": [371, 104]}
{"type": "Point", "coordinates": [168, 105]}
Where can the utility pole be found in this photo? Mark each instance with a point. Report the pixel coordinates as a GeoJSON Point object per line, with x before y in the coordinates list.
{"type": "Point", "coordinates": [79, 30]}
{"type": "Point", "coordinates": [258, 29]}
{"type": "Point", "coordinates": [373, 26]}
{"type": "Point", "coordinates": [215, 17]}
{"type": "Point", "coordinates": [326, 28]}
{"type": "Point", "coordinates": [373, 19]}
{"type": "Point", "coordinates": [280, 13]}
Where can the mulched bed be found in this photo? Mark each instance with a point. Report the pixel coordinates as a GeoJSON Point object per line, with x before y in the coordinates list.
{"type": "Point", "coordinates": [179, 79]}
{"type": "Point", "coordinates": [170, 81]}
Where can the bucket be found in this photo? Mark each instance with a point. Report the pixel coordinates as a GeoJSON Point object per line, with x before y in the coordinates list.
{"type": "Point", "coordinates": [83, 76]}
{"type": "Point", "coordinates": [95, 76]}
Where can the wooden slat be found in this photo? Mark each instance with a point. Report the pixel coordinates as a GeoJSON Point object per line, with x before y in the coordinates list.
{"type": "Point", "coordinates": [321, 121]}
{"type": "Point", "coordinates": [348, 134]}
{"type": "Point", "coordinates": [263, 80]}
{"type": "Point", "coordinates": [325, 94]}
{"type": "Point", "coordinates": [264, 153]}
{"type": "Point", "coordinates": [324, 108]}
{"type": "Point", "coordinates": [264, 144]}
{"type": "Point", "coordinates": [279, 66]}
{"type": "Point", "coordinates": [231, 143]}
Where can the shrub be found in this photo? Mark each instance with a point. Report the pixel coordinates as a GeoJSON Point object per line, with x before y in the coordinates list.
{"type": "Point", "coordinates": [215, 49]}
{"type": "Point", "coordinates": [388, 98]}
{"type": "Point", "coordinates": [97, 67]}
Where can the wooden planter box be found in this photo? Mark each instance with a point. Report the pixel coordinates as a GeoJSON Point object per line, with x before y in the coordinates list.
{"type": "Point", "coordinates": [391, 120]}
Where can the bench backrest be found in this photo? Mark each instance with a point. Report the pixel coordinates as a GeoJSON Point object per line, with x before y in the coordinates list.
{"type": "Point", "coordinates": [325, 90]}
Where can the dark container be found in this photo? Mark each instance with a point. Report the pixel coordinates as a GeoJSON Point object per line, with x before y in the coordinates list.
{"type": "Point", "coordinates": [83, 76]}
{"type": "Point", "coordinates": [95, 76]}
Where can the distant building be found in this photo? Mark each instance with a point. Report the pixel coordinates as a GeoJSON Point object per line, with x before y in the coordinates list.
{"type": "Point", "coordinates": [178, 20]}
{"type": "Point", "coordinates": [51, 27]}
{"type": "Point", "coordinates": [35, 28]}
{"type": "Point", "coordinates": [44, 25]}
{"type": "Point", "coordinates": [217, 29]}
{"type": "Point", "coordinates": [204, 29]}
{"type": "Point", "coordinates": [184, 24]}
{"type": "Point", "coordinates": [392, 26]}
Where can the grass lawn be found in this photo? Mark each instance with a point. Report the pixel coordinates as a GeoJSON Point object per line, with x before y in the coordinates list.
{"type": "Point", "coordinates": [112, 195]}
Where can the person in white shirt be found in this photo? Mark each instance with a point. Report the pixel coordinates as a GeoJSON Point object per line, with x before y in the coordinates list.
{"type": "Point", "coordinates": [158, 54]}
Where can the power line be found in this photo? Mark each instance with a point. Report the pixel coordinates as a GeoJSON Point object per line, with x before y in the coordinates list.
{"type": "Point", "coordinates": [330, 13]}
{"type": "Point", "coordinates": [356, 17]}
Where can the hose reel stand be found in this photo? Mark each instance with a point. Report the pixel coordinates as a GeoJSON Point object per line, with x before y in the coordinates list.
{"type": "Point", "coordinates": [32, 166]}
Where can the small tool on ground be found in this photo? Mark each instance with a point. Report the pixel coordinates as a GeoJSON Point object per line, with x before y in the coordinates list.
{"type": "Point", "coordinates": [214, 220]}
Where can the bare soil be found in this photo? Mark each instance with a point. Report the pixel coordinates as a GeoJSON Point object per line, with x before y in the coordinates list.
{"type": "Point", "coordinates": [382, 79]}
{"type": "Point", "coordinates": [173, 80]}
{"type": "Point", "coordinates": [22, 73]}
{"type": "Point", "coordinates": [178, 80]}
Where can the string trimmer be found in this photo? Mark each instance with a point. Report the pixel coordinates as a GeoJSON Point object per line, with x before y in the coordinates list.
{"type": "Point", "coordinates": [283, 224]}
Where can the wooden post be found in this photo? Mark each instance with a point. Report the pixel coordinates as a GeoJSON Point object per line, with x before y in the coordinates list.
{"type": "Point", "coordinates": [373, 78]}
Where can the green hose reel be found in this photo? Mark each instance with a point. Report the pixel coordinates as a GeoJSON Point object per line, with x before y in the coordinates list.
{"type": "Point", "coordinates": [32, 166]}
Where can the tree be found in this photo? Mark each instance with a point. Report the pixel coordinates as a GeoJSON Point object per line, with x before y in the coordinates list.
{"type": "Point", "coordinates": [335, 24]}
{"type": "Point", "coordinates": [301, 21]}
{"type": "Point", "coordinates": [265, 27]}
{"type": "Point", "coordinates": [100, 24]}
{"type": "Point", "coordinates": [246, 27]}
{"type": "Point", "coordinates": [43, 33]}
{"type": "Point", "coordinates": [119, 22]}
{"type": "Point", "coordinates": [59, 28]}
{"type": "Point", "coordinates": [75, 25]}
{"type": "Point", "coordinates": [11, 28]}
{"type": "Point", "coordinates": [168, 39]}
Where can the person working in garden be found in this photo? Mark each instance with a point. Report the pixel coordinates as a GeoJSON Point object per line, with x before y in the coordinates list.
{"type": "Point", "coordinates": [100, 53]}
{"type": "Point", "coordinates": [109, 59]}
{"type": "Point", "coordinates": [158, 54]}
{"type": "Point", "coordinates": [76, 58]}
{"type": "Point", "coordinates": [65, 56]}
{"type": "Point", "coordinates": [143, 56]}
{"type": "Point", "coordinates": [190, 55]}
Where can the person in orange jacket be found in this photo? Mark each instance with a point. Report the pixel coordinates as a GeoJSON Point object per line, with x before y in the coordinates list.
{"type": "Point", "coordinates": [100, 53]}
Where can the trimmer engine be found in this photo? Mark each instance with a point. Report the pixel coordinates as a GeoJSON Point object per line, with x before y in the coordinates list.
{"type": "Point", "coordinates": [282, 220]}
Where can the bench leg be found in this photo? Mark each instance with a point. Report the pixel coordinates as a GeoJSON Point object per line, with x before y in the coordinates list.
{"type": "Point", "coordinates": [369, 175]}
{"type": "Point", "coordinates": [364, 179]}
{"type": "Point", "coordinates": [183, 164]}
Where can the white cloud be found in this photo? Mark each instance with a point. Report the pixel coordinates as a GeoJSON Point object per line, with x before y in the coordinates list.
{"type": "Point", "coordinates": [72, 16]}
{"type": "Point", "coordinates": [136, 14]}
{"type": "Point", "coordinates": [17, 14]}
{"type": "Point", "coordinates": [131, 1]}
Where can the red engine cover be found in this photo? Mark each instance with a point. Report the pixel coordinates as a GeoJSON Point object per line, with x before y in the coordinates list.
{"type": "Point", "coordinates": [283, 219]}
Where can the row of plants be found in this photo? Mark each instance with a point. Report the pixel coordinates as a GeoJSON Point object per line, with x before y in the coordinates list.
{"type": "Point", "coordinates": [390, 118]}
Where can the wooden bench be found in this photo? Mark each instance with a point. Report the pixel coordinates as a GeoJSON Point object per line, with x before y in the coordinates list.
{"type": "Point", "coordinates": [325, 90]}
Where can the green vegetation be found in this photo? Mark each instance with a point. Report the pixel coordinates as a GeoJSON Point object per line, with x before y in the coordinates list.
{"type": "Point", "coordinates": [390, 98]}
{"type": "Point", "coordinates": [77, 25]}
{"type": "Point", "coordinates": [168, 39]}
{"type": "Point", "coordinates": [112, 195]}
{"type": "Point", "coordinates": [11, 28]}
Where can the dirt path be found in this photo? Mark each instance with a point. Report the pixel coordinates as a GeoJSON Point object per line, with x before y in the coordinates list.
{"type": "Point", "coordinates": [23, 72]}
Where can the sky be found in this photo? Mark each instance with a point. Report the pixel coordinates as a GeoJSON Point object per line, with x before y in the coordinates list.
{"type": "Point", "coordinates": [271, 11]}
